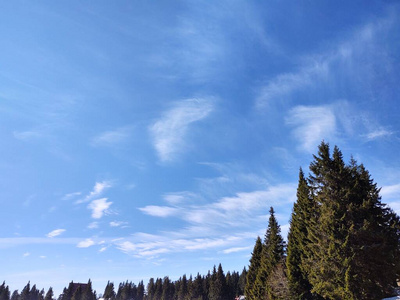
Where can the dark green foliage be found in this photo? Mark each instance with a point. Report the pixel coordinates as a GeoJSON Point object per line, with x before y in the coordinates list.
{"type": "Point", "coordinates": [109, 293]}
{"type": "Point", "coordinates": [273, 252]}
{"type": "Point", "coordinates": [264, 264]}
{"type": "Point", "coordinates": [255, 262]}
{"type": "Point", "coordinates": [300, 287]}
{"type": "Point", "coordinates": [353, 239]}
{"type": "Point", "coordinates": [49, 294]}
{"type": "Point", "coordinates": [218, 284]}
{"type": "Point", "coordinates": [4, 292]}
{"type": "Point", "coordinates": [15, 295]}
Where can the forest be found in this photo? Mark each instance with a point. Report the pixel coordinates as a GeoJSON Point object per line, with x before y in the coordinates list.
{"type": "Point", "coordinates": [343, 244]}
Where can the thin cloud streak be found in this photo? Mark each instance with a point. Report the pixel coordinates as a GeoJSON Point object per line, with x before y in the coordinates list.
{"type": "Point", "coordinates": [98, 189]}
{"type": "Point", "coordinates": [55, 233]}
{"type": "Point", "coordinates": [312, 124]}
{"type": "Point", "coordinates": [169, 132]}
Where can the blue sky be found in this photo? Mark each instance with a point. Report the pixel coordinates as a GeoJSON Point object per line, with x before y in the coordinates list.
{"type": "Point", "coordinates": [149, 138]}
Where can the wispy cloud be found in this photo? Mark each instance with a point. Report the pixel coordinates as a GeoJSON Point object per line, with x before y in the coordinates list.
{"type": "Point", "coordinates": [99, 207]}
{"type": "Point", "coordinates": [312, 124]}
{"type": "Point", "coordinates": [154, 245]}
{"type": "Point", "coordinates": [112, 137]}
{"type": "Point", "coordinates": [93, 225]}
{"type": "Point", "coordinates": [378, 133]}
{"type": "Point", "coordinates": [98, 189]}
{"type": "Point", "coordinates": [55, 233]}
{"type": "Point", "coordinates": [71, 196]}
{"type": "Point", "coordinates": [118, 224]}
{"type": "Point", "coordinates": [169, 132]}
{"type": "Point", "coordinates": [85, 243]}
{"type": "Point", "coordinates": [159, 211]}
{"type": "Point", "coordinates": [227, 211]}
{"type": "Point", "coordinates": [352, 59]}
{"type": "Point", "coordinates": [236, 249]}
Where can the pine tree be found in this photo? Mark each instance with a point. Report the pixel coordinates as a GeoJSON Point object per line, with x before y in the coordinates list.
{"type": "Point", "coordinates": [218, 286]}
{"type": "Point", "coordinates": [25, 293]}
{"type": "Point", "coordinates": [197, 287]}
{"type": "Point", "coordinates": [354, 238]}
{"type": "Point", "coordinates": [140, 291]}
{"type": "Point", "coordinates": [183, 288]}
{"type": "Point", "coordinates": [109, 293]}
{"type": "Point", "coordinates": [167, 289]}
{"type": "Point", "coordinates": [49, 294]}
{"type": "Point", "coordinates": [242, 282]}
{"type": "Point", "coordinates": [255, 262]}
{"type": "Point", "coordinates": [273, 253]}
{"type": "Point", "coordinates": [4, 292]}
{"type": "Point", "coordinates": [15, 295]}
{"type": "Point", "coordinates": [300, 287]}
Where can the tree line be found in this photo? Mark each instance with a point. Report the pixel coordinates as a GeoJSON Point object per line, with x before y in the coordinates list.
{"type": "Point", "coordinates": [343, 242]}
{"type": "Point", "coordinates": [213, 286]}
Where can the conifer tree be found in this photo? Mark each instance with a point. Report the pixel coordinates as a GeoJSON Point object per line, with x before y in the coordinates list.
{"type": "Point", "coordinates": [140, 291]}
{"type": "Point", "coordinates": [167, 289]}
{"type": "Point", "coordinates": [255, 262]}
{"type": "Point", "coordinates": [4, 292]}
{"type": "Point", "coordinates": [300, 287]}
{"type": "Point", "coordinates": [273, 253]}
{"type": "Point", "coordinates": [49, 294]}
{"type": "Point", "coordinates": [242, 282]}
{"type": "Point", "coordinates": [354, 238]}
{"type": "Point", "coordinates": [109, 293]}
{"type": "Point", "coordinates": [15, 295]}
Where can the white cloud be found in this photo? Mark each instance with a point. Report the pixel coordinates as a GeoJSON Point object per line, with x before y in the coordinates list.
{"type": "Point", "coordinates": [117, 223]}
{"type": "Point", "coordinates": [236, 249]}
{"type": "Point", "coordinates": [85, 243]}
{"type": "Point", "coordinates": [71, 195]}
{"type": "Point", "coordinates": [28, 135]}
{"type": "Point", "coordinates": [26, 254]}
{"type": "Point", "coordinates": [93, 225]}
{"type": "Point", "coordinates": [390, 191]}
{"type": "Point", "coordinates": [98, 189]}
{"type": "Point", "coordinates": [227, 211]}
{"type": "Point", "coordinates": [312, 124]}
{"type": "Point", "coordinates": [154, 245]}
{"type": "Point", "coordinates": [378, 133]}
{"type": "Point", "coordinates": [55, 233]}
{"type": "Point", "coordinates": [170, 131]}
{"type": "Point", "coordinates": [159, 211]}
{"type": "Point", "coordinates": [112, 137]}
{"type": "Point", "coordinates": [287, 83]}
{"type": "Point", "coordinates": [99, 207]}
{"type": "Point", "coordinates": [179, 197]}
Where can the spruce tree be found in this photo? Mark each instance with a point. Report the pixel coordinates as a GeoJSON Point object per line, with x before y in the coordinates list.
{"type": "Point", "coordinates": [4, 292]}
{"type": "Point", "coordinates": [49, 294]}
{"type": "Point", "coordinates": [109, 293]}
{"type": "Point", "coordinates": [255, 262]}
{"type": "Point", "coordinates": [273, 253]}
{"type": "Point", "coordinates": [300, 287]}
{"type": "Point", "coordinates": [353, 238]}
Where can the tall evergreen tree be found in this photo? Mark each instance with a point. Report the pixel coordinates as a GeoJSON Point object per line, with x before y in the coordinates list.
{"type": "Point", "coordinates": [140, 291]}
{"type": "Point", "coordinates": [15, 295]}
{"type": "Point", "coordinates": [109, 293]}
{"type": "Point", "coordinates": [4, 292]}
{"type": "Point", "coordinates": [273, 253]}
{"type": "Point", "coordinates": [300, 287]}
{"type": "Point", "coordinates": [354, 238]}
{"type": "Point", "coordinates": [255, 263]}
{"type": "Point", "coordinates": [49, 294]}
